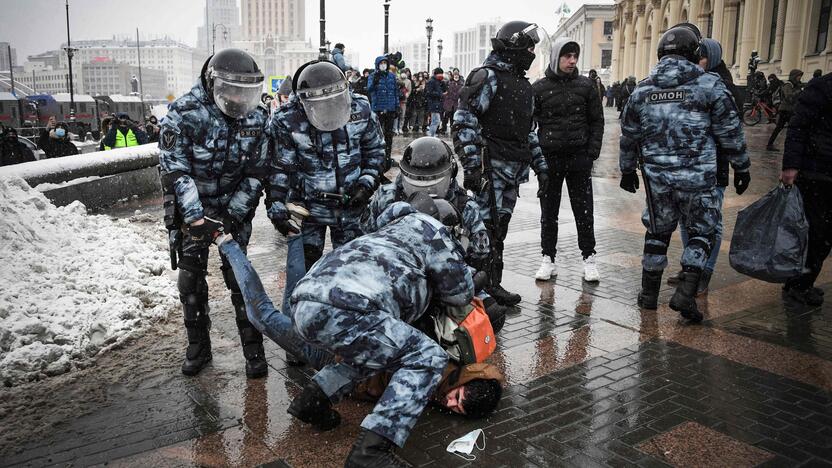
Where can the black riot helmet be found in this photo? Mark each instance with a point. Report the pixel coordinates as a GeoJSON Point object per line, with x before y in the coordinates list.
{"type": "Point", "coordinates": [324, 93]}
{"type": "Point", "coordinates": [443, 211]}
{"type": "Point", "coordinates": [692, 27]}
{"type": "Point", "coordinates": [427, 165]}
{"type": "Point", "coordinates": [681, 41]}
{"type": "Point", "coordinates": [234, 81]}
{"type": "Point", "coordinates": [515, 42]}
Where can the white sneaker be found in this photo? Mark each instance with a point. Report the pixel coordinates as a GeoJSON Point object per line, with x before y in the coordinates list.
{"type": "Point", "coordinates": [548, 269]}
{"type": "Point", "coordinates": [591, 270]}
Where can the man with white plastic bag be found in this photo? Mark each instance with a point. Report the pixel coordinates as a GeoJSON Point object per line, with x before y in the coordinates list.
{"type": "Point", "coordinates": [807, 163]}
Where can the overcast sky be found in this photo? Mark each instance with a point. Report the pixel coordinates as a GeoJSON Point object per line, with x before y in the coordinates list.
{"type": "Point", "coordinates": [34, 26]}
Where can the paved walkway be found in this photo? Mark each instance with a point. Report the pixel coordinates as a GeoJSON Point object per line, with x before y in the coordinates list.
{"type": "Point", "coordinates": [591, 379]}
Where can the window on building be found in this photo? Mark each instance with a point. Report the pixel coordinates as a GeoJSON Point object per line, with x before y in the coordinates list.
{"type": "Point", "coordinates": [823, 26]}
{"type": "Point", "coordinates": [773, 34]}
{"type": "Point", "coordinates": [608, 28]}
{"type": "Point", "coordinates": [606, 58]}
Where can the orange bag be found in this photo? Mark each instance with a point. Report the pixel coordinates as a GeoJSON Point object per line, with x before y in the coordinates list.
{"type": "Point", "coordinates": [469, 340]}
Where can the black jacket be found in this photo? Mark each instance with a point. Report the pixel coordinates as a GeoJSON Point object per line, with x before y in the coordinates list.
{"type": "Point", "coordinates": [54, 147]}
{"type": "Point", "coordinates": [14, 152]}
{"type": "Point", "coordinates": [722, 172]}
{"type": "Point", "coordinates": [809, 138]}
{"type": "Point", "coordinates": [570, 118]}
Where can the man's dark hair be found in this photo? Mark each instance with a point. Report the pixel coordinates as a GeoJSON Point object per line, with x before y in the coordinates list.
{"type": "Point", "coordinates": [818, 73]}
{"type": "Point", "coordinates": [339, 46]}
{"type": "Point", "coordinates": [481, 397]}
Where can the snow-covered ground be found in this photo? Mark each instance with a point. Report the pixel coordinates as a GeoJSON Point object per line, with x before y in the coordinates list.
{"type": "Point", "coordinates": [73, 284]}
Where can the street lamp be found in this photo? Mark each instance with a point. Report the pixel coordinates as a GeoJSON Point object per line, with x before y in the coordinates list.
{"type": "Point", "coordinates": [439, 51]}
{"type": "Point", "coordinates": [69, 53]}
{"type": "Point", "coordinates": [429, 31]}
{"type": "Point", "coordinates": [322, 52]}
{"type": "Point", "coordinates": [214, 36]}
{"type": "Point", "coordinates": [386, 26]}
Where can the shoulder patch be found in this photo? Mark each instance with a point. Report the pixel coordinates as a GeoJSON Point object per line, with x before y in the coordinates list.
{"type": "Point", "coordinates": [666, 95]}
{"type": "Point", "coordinates": [356, 116]}
{"type": "Point", "coordinates": [250, 132]}
{"type": "Point", "coordinates": [167, 140]}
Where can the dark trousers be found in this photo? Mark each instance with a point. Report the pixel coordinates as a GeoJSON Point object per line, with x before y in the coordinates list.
{"type": "Point", "coordinates": [579, 187]}
{"type": "Point", "coordinates": [817, 203]}
{"type": "Point", "coordinates": [386, 120]}
{"type": "Point", "coordinates": [782, 120]}
{"type": "Point", "coordinates": [447, 120]}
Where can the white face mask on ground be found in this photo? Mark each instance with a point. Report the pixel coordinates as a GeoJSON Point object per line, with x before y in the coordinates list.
{"type": "Point", "coordinates": [463, 446]}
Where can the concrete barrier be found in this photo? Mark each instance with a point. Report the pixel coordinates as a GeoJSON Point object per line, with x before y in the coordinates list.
{"type": "Point", "coordinates": [96, 179]}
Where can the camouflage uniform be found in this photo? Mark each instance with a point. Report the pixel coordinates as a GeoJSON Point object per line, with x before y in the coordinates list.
{"type": "Point", "coordinates": [478, 247]}
{"type": "Point", "coordinates": [678, 119]}
{"type": "Point", "coordinates": [218, 168]}
{"type": "Point", "coordinates": [470, 137]}
{"type": "Point", "coordinates": [310, 162]}
{"type": "Point", "coordinates": [357, 302]}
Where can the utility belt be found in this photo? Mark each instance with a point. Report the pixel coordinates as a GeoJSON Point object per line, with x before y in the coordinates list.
{"type": "Point", "coordinates": [331, 199]}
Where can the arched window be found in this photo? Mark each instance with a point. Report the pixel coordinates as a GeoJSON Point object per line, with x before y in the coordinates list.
{"type": "Point", "coordinates": [823, 25]}
{"type": "Point", "coordinates": [684, 17]}
{"type": "Point", "coordinates": [772, 35]}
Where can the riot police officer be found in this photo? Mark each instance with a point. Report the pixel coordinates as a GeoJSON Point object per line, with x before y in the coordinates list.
{"type": "Point", "coordinates": [677, 120]}
{"type": "Point", "coordinates": [214, 162]}
{"type": "Point", "coordinates": [428, 165]}
{"type": "Point", "coordinates": [330, 153]}
{"type": "Point", "coordinates": [495, 114]}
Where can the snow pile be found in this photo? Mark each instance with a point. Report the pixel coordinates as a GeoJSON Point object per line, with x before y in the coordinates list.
{"type": "Point", "coordinates": [71, 284]}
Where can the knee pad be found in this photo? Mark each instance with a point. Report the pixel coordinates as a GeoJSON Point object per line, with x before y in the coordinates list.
{"type": "Point", "coordinates": [656, 244]}
{"type": "Point", "coordinates": [702, 243]}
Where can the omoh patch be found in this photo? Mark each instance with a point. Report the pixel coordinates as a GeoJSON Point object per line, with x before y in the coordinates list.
{"type": "Point", "coordinates": [666, 95]}
{"type": "Point", "coordinates": [168, 140]}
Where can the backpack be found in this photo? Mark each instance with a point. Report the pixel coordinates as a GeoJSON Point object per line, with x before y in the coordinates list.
{"type": "Point", "coordinates": [466, 333]}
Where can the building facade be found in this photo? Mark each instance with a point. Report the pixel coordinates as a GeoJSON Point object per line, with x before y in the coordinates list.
{"type": "Point", "coordinates": [49, 81]}
{"type": "Point", "coordinates": [177, 60]}
{"type": "Point", "coordinates": [222, 20]}
{"type": "Point", "coordinates": [7, 61]}
{"type": "Point", "coordinates": [279, 57]}
{"type": "Point", "coordinates": [472, 45]}
{"type": "Point", "coordinates": [282, 19]}
{"type": "Point", "coordinates": [108, 78]}
{"type": "Point", "coordinates": [787, 34]}
{"type": "Point", "coordinates": [591, 26]}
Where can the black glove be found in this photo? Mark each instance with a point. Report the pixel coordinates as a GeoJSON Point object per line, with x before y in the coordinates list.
{"type": "Point", "coordinates": [473, 180]}
{"type": "Point", "coordinates": [543, 184]}
{"type": "Point", "coordinates": [230, 224]}
{"type": "Point", "coordinates": [283, 226]}
{"type": "Point", "coordinates": [360, 197]}
{"type": "Point", "coordinates": [741, 181]}
{"type": "Point", "coordinates": [206, 231]}
{"type": "Point", "coordinates": [629, 182]}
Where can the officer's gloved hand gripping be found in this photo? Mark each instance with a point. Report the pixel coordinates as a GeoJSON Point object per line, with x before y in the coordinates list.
{"type": "Point", "coordinates": [629, 182]}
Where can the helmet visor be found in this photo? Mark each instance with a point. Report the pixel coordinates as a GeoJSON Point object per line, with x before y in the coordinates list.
{"type": "Point", "coordinates": [236, 99]}
{"type": "Point", "coordinates": [436, 185]}
{"type": "Point", "coordinates": [327, 107]}
{"type": "Point", "coordinates": [526, 38]}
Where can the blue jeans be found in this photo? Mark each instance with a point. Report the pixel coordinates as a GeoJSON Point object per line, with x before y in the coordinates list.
{"type": "Point", "coordinates": [711, 263]}
{"type": "Point", "coordinates": [261, 312]}
{"type": "Point", "coordinates": [435, 120]}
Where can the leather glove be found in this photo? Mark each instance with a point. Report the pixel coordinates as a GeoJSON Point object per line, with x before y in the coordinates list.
{"type": "Point", "coordinates": [473, 180]}
{"type": "Point", "coordinates": [629, 182]}
{"type": "Point", "coordinates": [543, 184]}
{"type": "Point", "coordinates": [230, 224]}
{"type": "Point", "coordinates": [360, 197]}
{"type": "Point", "coordinates": [741, 181]}
{"type": "Point", "coordinates": [206, 231]}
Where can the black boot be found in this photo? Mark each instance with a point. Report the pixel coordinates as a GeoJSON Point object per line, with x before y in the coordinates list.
{"type": "Point", "coordinates": [496, 313]}
{"type": "Point", "coordinates": [684, 299]}
{"type": "Point", "coordinates": [251, 339]}
{"type": "Point", "coordinates": [373, 450]}
{"type": "Point", "coordinates": [704, 282]}
{"type": "Point", "coordinates": [648, 297]}
{"type": "Point", "coordinates": [503, 297]}
{"type": "Point", "coordinates": [674, 279]}
{"type": "Point", "coordinates": [313, 407]}
{"type": "Point", "coordinates": [197, 324]}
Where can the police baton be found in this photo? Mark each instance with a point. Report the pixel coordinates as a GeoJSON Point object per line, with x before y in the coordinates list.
{"type": "Point", "coordinates": [648, 191]}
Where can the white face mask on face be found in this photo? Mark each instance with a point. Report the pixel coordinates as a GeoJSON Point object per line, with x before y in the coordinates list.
{"type": "Point", "coordinates": [382, 66]}
{"type": "Point", "coordinates": [463, 446]}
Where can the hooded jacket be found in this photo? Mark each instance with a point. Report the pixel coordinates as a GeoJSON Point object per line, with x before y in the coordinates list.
{"type": "Point", "coordinates": [678, 119]}
{"type": "Point", "coordinates": [569, 115]}
{"type": "Point", "coordinates": [338, 58]}
{"type": "Point", "coordinates": [452, 377]}
{"type": "Point", "coordinates": [56, 147]}
{"type": "Point", "coordinates": [712, 50]}
{"type": "Point", "coordinates": [789, 91]}
{"type": "Point", "coordinates": [809, 138]}
{"type": "Point", "coordinates": [383, 89]}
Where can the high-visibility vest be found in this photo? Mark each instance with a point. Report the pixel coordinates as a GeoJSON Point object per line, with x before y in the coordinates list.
{"type": "Point", "coordinates": [125, 140]}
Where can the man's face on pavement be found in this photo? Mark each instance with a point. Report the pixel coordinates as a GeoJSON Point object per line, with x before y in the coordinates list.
{"type": "Point", "coordinates": [453, 400]}
{"type": "Point", "coordinates": [567, 62]}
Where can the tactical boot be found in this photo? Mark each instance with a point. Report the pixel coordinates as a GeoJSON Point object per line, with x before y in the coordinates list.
{"type": "Point", "coordinates": [373, 450]}
{"type": "Point", "coordinates": [648, 297]}
{"type": "Point", "coordinates": [198, 354]}
{"type": "Point", "coordinates": [674, 279]}
{"type": "Point", "coordinates": [684, 300]}
{"type": "Point", "coordinates": [704, 281]}
{"type": "Point", "coordinates": [503, 297]}
{"type": "Point", "coordinates": [313, 407]}
{"type": "Point", "coordinates": [251, 339]}
{"type": "Point", "coordinates": [496, 313]}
